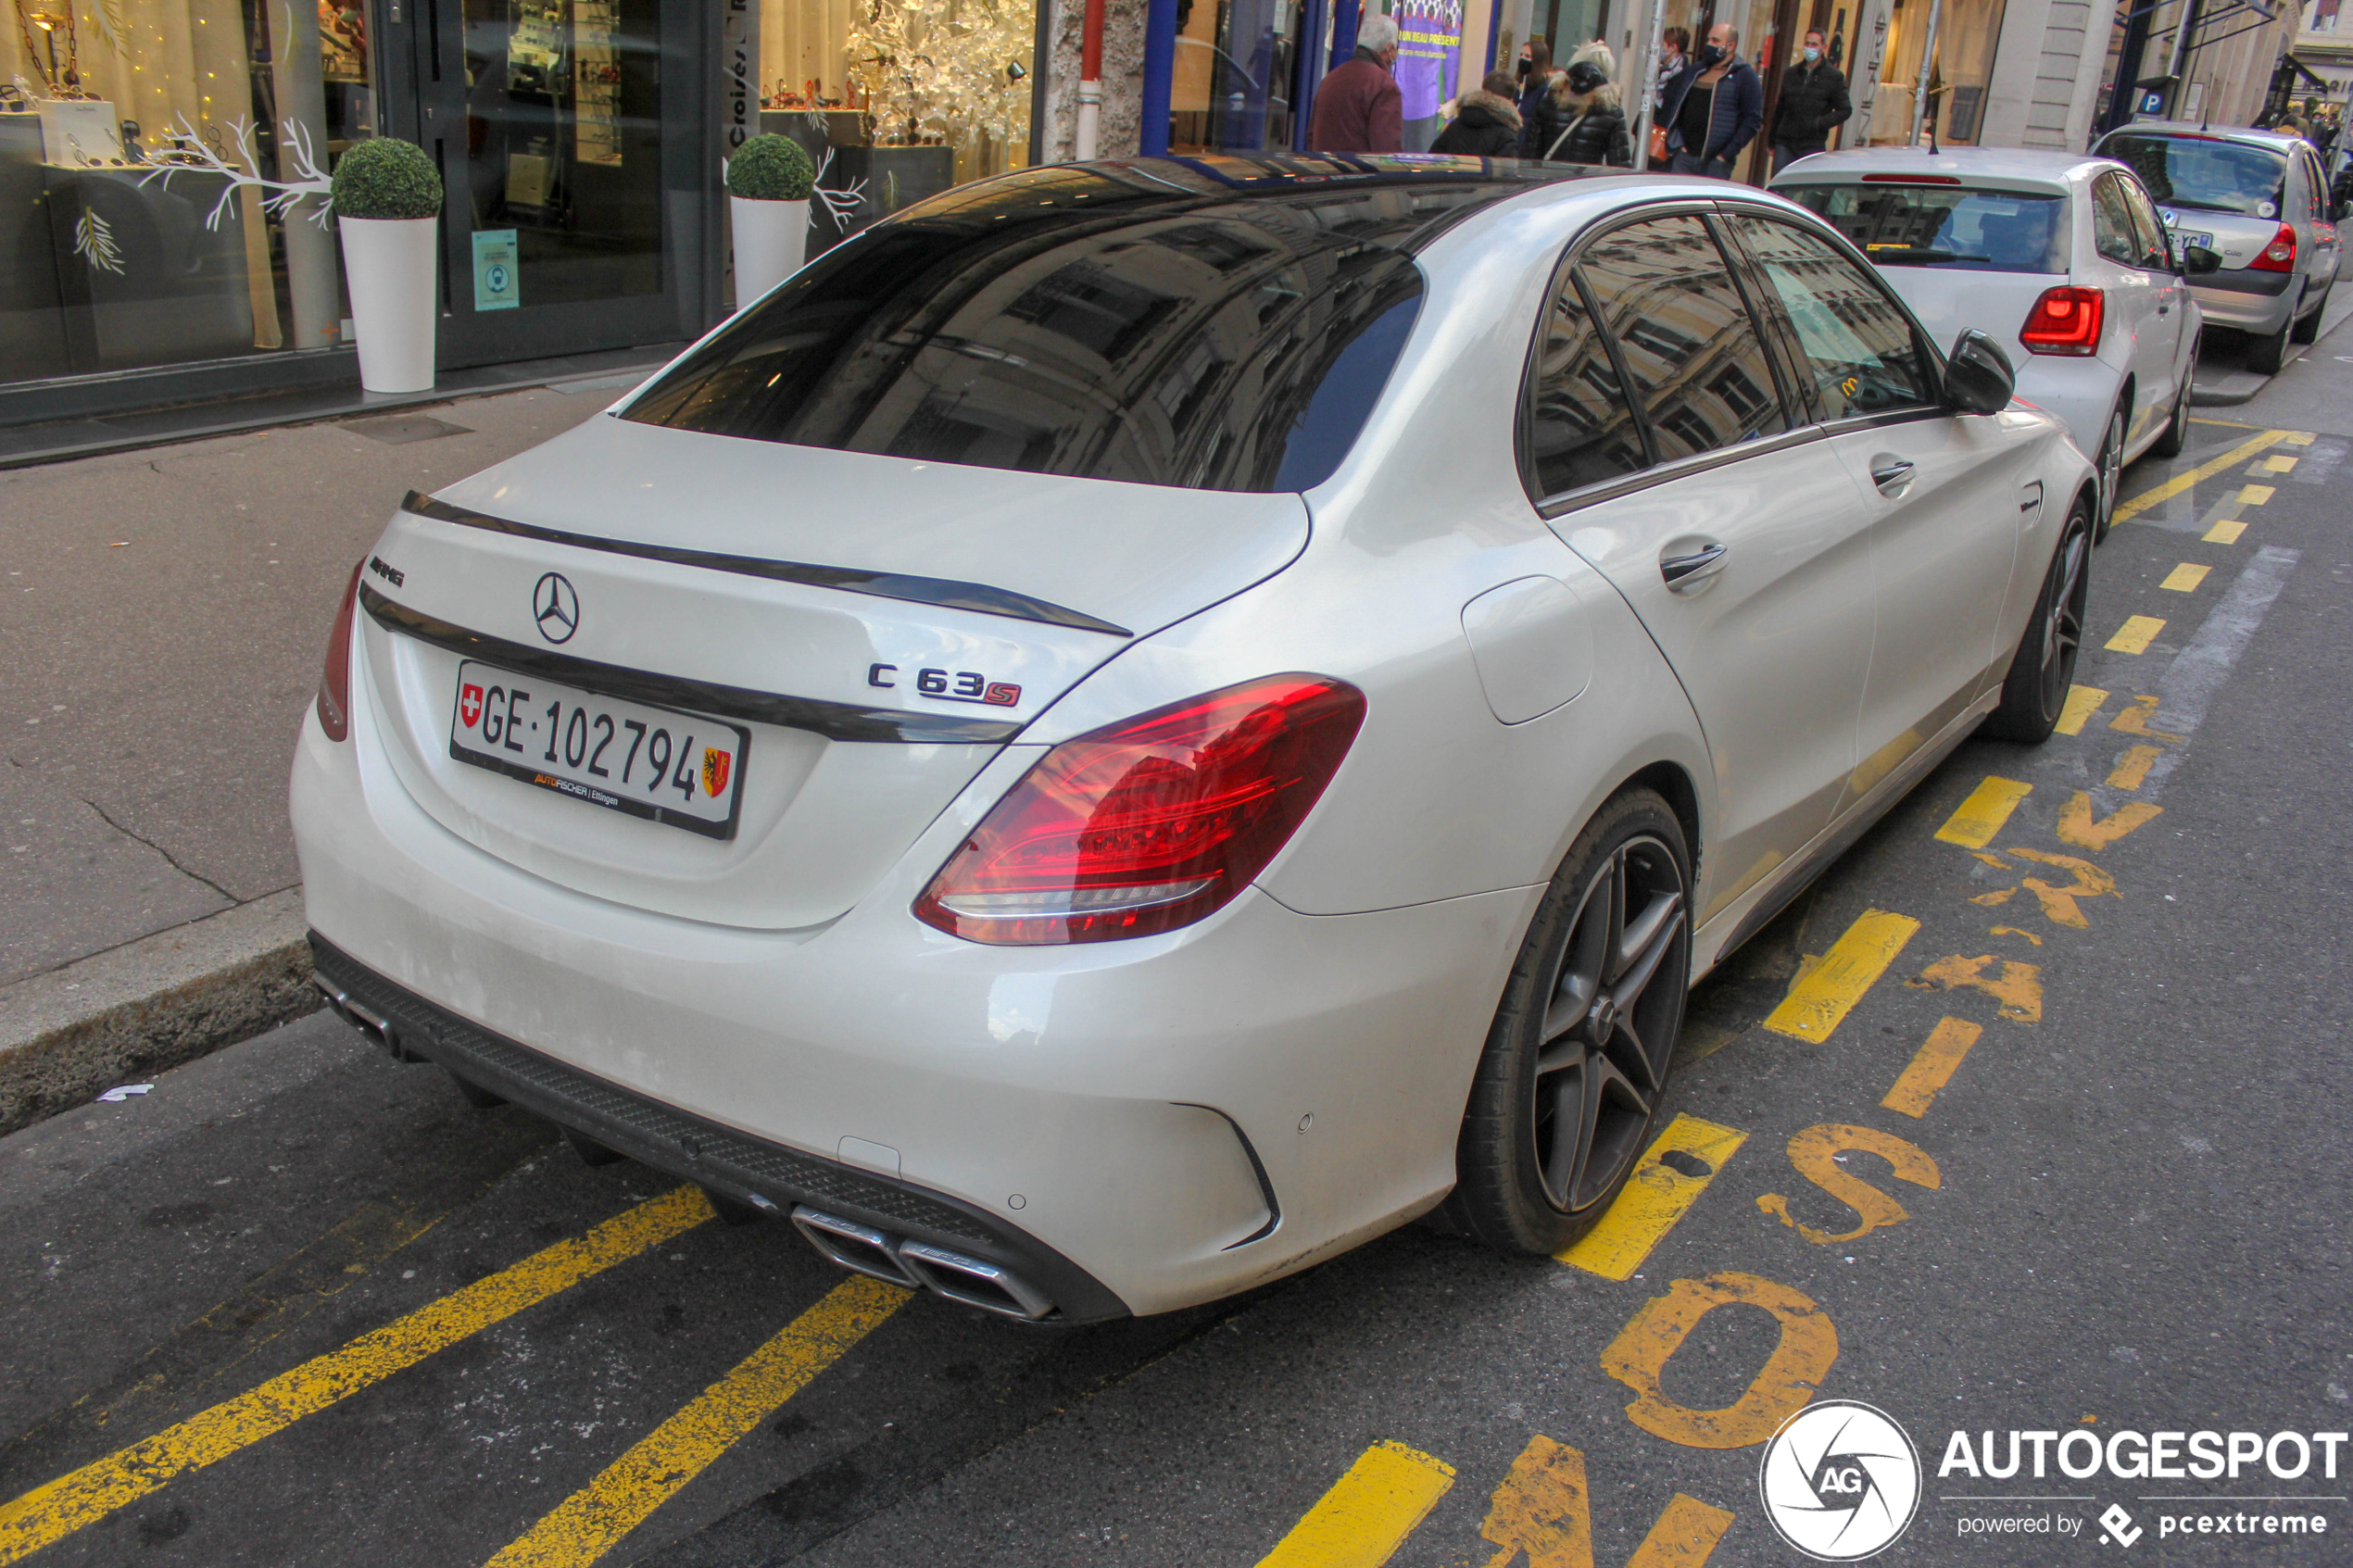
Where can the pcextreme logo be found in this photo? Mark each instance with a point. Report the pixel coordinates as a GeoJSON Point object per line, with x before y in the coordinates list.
{"type": "Point", "coordinates": [1840, 1480]}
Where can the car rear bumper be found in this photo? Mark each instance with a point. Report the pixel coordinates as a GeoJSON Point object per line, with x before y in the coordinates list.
{"type": "Point", "coordinates": [1145, 1124]}
{"type": "Point", "coordinates": [2261, 302]}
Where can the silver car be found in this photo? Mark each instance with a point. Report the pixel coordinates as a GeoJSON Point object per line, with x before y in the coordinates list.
{"type": "Point", "coordinates": [2258, 198]}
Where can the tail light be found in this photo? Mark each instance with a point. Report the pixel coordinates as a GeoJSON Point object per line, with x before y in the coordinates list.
{"type": "Point", "coordinates": [334, 682]}
{"type": "Point", "coordinates": [1151, 823]}
{"type": "Point", "coordinates": [2280, 254]}
{"type": "Point", "coordinates": [2065, 321]}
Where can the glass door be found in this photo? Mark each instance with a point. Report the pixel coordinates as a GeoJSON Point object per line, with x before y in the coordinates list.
{"type": "Point", "coordinates": [570, 160]}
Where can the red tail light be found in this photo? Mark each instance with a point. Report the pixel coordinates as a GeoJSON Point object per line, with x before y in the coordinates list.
{"type": "Point", "coordinates": [2280, 254]}
{"type": "Point", "coordinates": [2065, 321]}
{"type": "Point", "coordinates": [334, 682]}
{"type": "Point", "coordinates": [1149, 824]}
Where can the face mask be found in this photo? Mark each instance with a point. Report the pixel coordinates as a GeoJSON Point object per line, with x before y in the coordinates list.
{"type": "Point", "coordinates": [1710, 54]}
{"type": "Point", "coordinates": [1812, 56]}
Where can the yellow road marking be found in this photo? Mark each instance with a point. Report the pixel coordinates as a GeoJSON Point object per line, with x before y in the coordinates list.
{"type": "Point", "coordinates": [2185, 577]}
{"type": "Point", "coordinates": [2137, 634]}
{"type": "Point", "coordinates": [2278, 463]}
{"type": "Point", "coordinates": [1974, 824]}
{"type": "Point", "coordinates": [2017, 987]}
{"type": "Point", "coordinates": [1820, 999]}
{"type": "Point", "coordinates": [1368, 1512]}
{"type": "Point", "coordinates": [1655, 1197]}
{"type": "Point", "coordinates": [2132, 767]}
{"type": "Point", "coordinates": [1683, 1537]}
{"type": "Point", "coordinates": [1816, 1151]}
{"type": "Point", "coordinates": [1931, 1067]}
{"type": "Point", "coordinates": [2295, 437]}
{"type": "Point", "coordinates": [2015, 931]}
{"type": "Point", "coordinates": [1803, 1358]}
{"type": "Point", "coordinates": [2227, 532]}
{"type": "Point", "coordinates": [51, 1512]}
{"type": "Point", "coordinates": [2256, 494]}
{"type": "Point", "coordinates": [2082, 703]}
{"type": "Point", "coordinates": [2075, 824]}
{"type": "Point", "coordinates": [593, 1520]}
{"type": "Point", "coordinates": [2127, 511]}
{"type": "Point", "coordinates": [2134, 720]}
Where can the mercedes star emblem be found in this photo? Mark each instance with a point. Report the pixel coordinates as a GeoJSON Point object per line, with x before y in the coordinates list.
{"type": "Point", "coordinates": [556, 607]}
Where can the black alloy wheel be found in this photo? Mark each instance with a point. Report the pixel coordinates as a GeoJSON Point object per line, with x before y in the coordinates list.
{"type": "Point", "coordinates": [2044, 667]}
{"type": "Point", "coordinates": [1575, 1065]}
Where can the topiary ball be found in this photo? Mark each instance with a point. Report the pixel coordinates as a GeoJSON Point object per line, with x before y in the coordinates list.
{"type": "Point", "coordinates": [769, 168]}
{"type": "Point", "coordinates": [386, 177]}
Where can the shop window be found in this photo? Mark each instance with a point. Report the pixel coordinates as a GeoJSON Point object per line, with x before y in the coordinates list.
{"type": "Point", "coordinates": [143, 145]}
{"type": "Point", "coordinates": [896, 102]}
{"type": "Point", "coordinates": [1967, 32]}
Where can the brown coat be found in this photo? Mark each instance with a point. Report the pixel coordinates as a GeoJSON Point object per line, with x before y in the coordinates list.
{"type": "Point", "coordinates": [1358, 110]}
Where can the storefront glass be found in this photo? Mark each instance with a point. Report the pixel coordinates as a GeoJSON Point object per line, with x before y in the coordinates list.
{"type": "Point", "coordinates": [162, 167]}
{"type": "Point", "coordinates": [1234, 87]}
{"type": "Point", "coordinates": [897, 101]}
{"type": "Point", "coordinates": [1967, 31]}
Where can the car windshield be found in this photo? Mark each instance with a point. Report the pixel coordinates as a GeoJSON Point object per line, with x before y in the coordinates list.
{"type": "Point", "coordinates": [2202, 174]}
{"type": "Point", "coordinates": [1948, 226]}
{"type": "Point", "coordinates": [1152, 323]}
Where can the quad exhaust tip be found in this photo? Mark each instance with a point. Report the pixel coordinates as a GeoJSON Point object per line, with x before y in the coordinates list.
{"type": "Point", "coordinates": [921, 1266]}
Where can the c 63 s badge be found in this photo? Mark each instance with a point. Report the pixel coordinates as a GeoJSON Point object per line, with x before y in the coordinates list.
{"type": "Point", "coordinates": [949, 685]}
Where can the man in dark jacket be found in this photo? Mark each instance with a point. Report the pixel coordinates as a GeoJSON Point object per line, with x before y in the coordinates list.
{"type": "Point", "coordinates": [1487, 124]}
{"type": "Point", "coordinates": [1358, 108]}
{"type": "Point", "coordinates": [1812, 104]}
{"type": "Point", "coordinates": [1715, 108]}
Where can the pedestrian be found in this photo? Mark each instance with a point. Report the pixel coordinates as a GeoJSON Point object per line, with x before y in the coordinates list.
{"type": "Point", "coordinates": [1488, 124]}
{"type": "Point", "coordinates": [1674, 50]}
{"type": "Point", "coordinates": [1581, 121]}
{"type": "Point", "coordinates": [1714, 108]}
{"type": "Point", "coordinates": [1535, 75]}
{"type": "Point", "coordinates": [1358, 108]}
{"type": "Point", "coordinates": [1812, 104]}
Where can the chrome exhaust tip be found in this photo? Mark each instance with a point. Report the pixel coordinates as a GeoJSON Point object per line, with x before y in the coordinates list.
{"type": "Point", "coordinates": [921, 1266]}
{"type": "Point", "coordinates": [369, 1022]}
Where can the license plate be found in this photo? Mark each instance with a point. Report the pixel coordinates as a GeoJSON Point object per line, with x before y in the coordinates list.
{"type": "Point", "coordinates": [2183, 240]}
{"type": "Point", "coordinates": [682, 770]}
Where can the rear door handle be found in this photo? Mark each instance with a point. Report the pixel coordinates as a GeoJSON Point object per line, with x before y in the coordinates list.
{"type": "Point", "coordinates": [1688, 571]}
{"type": "Point", "coordinates": [1891, 474]}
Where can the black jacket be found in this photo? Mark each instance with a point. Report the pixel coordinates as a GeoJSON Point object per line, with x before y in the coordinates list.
{"type": "Point", "coordinates": [1812, 104]}
{"type": "Point", "coordinates": [1486, 127]}
{"type": "Point", "coordinates": [1599, 137]}
{"type": "Point", "coordinates": [1734, 114]}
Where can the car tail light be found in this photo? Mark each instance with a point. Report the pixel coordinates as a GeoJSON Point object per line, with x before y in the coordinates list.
{"type": "Point", "coordinates": [2280, 254]}
{"type": "Point", "coordinates": [2065, 321]}
{"type": "Point", "coordinates": [1151, 823]}
{"type": "Point", "coordinates": [334, 682]}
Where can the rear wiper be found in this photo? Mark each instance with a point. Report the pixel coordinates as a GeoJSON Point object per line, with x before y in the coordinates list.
{"type": "Point", "coordinates": [1918, 252]}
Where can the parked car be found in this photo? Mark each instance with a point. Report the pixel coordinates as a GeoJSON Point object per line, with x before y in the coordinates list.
{"type": "Point", "coordinates": [1140, 724]}
{"type": "Point", "coordinates": [2061, 258]}
{"type": "Point", "coordinates": [2260, 199]}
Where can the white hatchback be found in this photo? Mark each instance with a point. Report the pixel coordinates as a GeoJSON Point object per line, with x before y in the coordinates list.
{"type": "Point", "coordinates": [2062, 259]}
{"type": "Point", "coordinates": [1140, 725]}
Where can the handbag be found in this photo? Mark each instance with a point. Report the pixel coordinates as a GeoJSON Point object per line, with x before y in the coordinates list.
{"type": "Point", "coordinates": [1659, 156]}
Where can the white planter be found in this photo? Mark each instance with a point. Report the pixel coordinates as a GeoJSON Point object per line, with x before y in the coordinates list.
{"type": "Point", "coordinates": [389, 265]}
{"type": "Point", "coordinates": [772, 240]}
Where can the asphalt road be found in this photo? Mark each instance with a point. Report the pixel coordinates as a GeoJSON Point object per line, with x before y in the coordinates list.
{"type": "Point", "coordinates": [2031, 1117]}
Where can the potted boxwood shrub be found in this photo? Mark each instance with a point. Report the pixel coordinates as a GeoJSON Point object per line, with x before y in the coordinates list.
{"type": "Point", "coordinates": [387, 194]}
{"type": "Point", "coordinates": [767, 184]}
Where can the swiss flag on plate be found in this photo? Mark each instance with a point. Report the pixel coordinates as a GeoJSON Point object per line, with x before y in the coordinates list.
{"type": "Point", "coordinates": [470, 706]}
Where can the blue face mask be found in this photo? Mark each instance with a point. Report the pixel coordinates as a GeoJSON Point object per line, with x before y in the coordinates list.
{"type": "Point", "coordinates": [1812, 56]}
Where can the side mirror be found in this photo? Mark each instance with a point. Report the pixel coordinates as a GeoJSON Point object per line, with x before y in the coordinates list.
{"type": "Point", "coordinates": [1978, 377]}
{"type": "Point", "coordinates": [2198, 261]}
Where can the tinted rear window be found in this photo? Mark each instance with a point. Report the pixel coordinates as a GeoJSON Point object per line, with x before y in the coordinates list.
{"type": "Point", "coordinates": [1062, 322]}
{"type": "Point", "coordinates": [1944, 226]}
{"type": "Point", "coordinates": [2203, 174]}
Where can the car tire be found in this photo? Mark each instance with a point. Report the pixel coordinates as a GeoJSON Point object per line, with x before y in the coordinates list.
{"type": "Point", "coordinates": [2034, 692]}
{"type": "Point", "coordinates": [2111, 463]}
{"type": "Point", "coordinates": [2265, 355]}
{"type": "Point", "coordinates": [2177, 428]}
{"type": "Point", "coordinates": [1587, 1029]}
{"type": "Point", "coordinates": [2308, 328]}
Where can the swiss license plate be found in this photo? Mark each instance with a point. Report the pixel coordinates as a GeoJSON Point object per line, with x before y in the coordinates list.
{"type": "Point", "coordinates": [685, 769]}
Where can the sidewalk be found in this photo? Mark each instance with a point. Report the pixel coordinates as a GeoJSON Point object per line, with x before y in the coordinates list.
{"type": "Point", "coordinates": [163, 614]}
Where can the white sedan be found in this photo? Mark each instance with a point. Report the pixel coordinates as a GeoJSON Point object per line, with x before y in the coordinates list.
{"type": "Point", "coordinates": [1140, 724]}
{"type": "Point", "coordinates": [2060, 257]}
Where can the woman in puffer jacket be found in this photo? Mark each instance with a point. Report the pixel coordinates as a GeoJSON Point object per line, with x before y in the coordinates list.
{"type": "Point", "coordinates": [1581, 121]}
{"type": "Point", "coordinates": [1487, 124]}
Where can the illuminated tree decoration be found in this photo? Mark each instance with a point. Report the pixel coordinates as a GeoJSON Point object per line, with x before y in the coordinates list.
{"type": "Point", "coordinates": [939, 72]}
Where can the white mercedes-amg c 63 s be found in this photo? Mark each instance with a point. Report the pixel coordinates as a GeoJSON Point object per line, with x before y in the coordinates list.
{"type": "Point", "coordinates": [1140, 725]}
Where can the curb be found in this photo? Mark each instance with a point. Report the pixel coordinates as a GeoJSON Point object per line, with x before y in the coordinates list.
{"type": "Point", "coordinates": [150, 1005]}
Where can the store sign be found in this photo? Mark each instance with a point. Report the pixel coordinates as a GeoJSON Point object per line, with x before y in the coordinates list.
{"type": "Point", "coordinates": [1870, 58]}
{"type": "Point", "coordinates": [497, 275]}
{"type": "Point", "coordinates": [740, 48]}
{"type": "Point", "coordinates": [1430, 43]}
